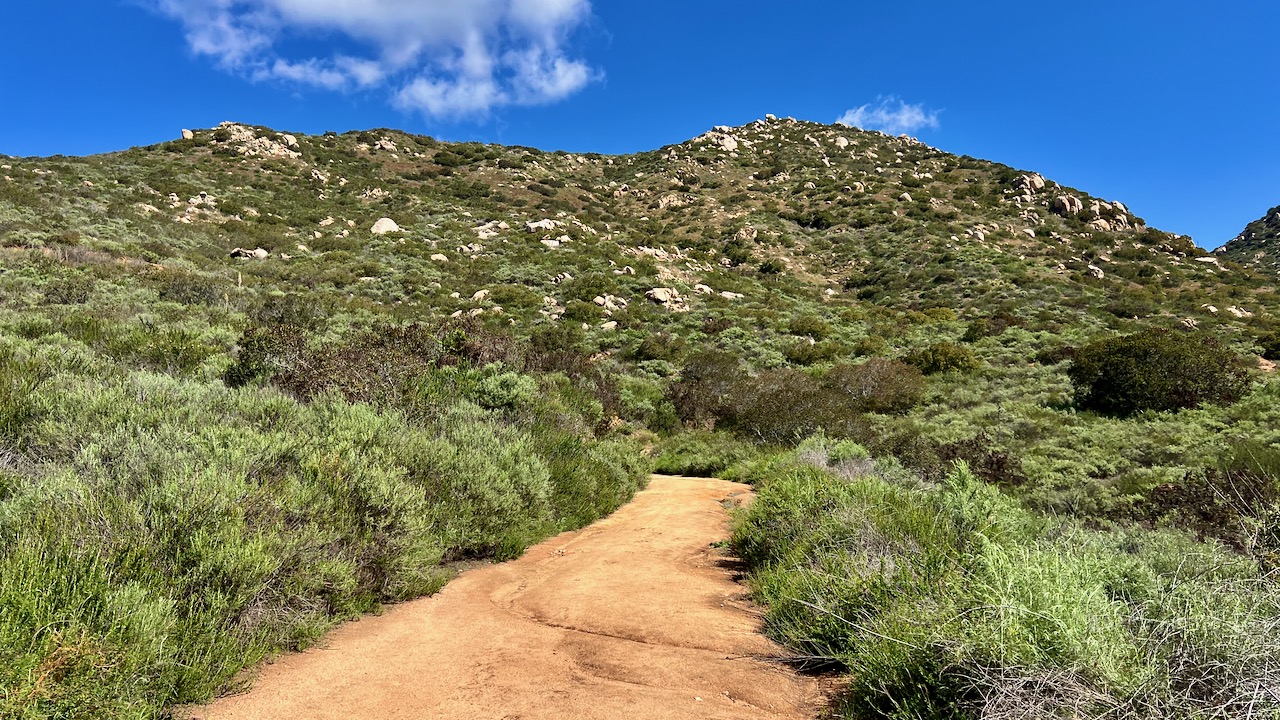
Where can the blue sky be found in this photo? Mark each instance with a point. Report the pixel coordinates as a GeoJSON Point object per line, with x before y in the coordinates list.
{"type": "Point", "coordinates": [1170, 107]}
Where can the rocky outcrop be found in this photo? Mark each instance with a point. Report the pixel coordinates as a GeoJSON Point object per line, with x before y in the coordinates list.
{"type": "Point", "coordinates": [246, 141]}
{"type": "Point", "coordinates": [1029, 184]}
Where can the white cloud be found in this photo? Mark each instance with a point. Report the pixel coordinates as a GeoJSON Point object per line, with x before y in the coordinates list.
{"type": "Point", "coordinates": [891, 115]}
{"type": "Point", "coordinates": [442, 57]}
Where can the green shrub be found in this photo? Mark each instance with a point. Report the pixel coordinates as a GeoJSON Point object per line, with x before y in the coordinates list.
{"type": "Point", "coordinates": [943, 357]}
{"type": "Point", "coordinates": [811, 326]}
{"type": "Point", "coordinates": [957, 603]}
{"type": "Point", "coordinates": [658, 346]}
{"type": "Point", "coordinates": [1155, 370]}
{"type": "Point", "coordinates": [807, 352]}
{"type": "Point", "coordinates": [781, 407]}
{"type": "Point", "coordinates": [19, 403]}
{"type": "Point", "coordinates": [700, 453]}
{"type": "Point", "coordinates": [701, 394]}
{"type": "Point", "coordinates": [878, 385]}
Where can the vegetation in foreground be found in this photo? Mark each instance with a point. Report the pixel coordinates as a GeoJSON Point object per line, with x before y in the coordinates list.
{"type": "Point", "coordinates": [950, 600]}
{"type": "Point", "coordinates": [177, 532]}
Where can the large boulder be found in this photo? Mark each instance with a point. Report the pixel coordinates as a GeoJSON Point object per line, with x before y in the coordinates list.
{"type": "Point", "coordinates": [1068, 205]}
{"type": "Point", "coordinates": [385, 226]}
{"type": "Point", "coordinates": [663, 295]}
{"type": "Point", "coordinates": [1029, 184]}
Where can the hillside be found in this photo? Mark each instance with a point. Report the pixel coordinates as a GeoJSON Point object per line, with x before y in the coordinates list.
{"type": "Point", "coordinates": [1253, 247]}
{"type": "Point", "coordinates": [254, 383]}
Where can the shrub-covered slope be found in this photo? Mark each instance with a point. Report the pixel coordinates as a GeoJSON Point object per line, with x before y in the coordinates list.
{"type": "Point", "coordinates": [1254, 246]}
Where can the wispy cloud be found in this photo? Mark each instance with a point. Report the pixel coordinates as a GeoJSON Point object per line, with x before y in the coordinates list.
{"type": "Point", "coordinates": [441, 57]}
{"type": "Point", "coordinates": [891, 115]}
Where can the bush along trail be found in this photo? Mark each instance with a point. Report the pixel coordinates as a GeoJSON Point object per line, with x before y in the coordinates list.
{"type": "Point", "coordinates": [949, 600]}
{"type": "Point", "coordinates": [637, 616]}
{"type": "Point", "coordinates": [174, 532]}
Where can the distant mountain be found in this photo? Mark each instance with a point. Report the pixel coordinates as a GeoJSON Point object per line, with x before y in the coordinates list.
{"type": "Point", "coordinates": [1257, 246]}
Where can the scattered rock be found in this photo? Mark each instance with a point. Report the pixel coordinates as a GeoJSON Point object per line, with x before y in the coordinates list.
{"type": "Point", "coordinates": [905, 197]}
{"type": "Point", "coordinates": [1096, 271]}
{"type": "Point", "coordinates": [842, 142]}
{"type": "Point", "coordinates": [256, 254]}
{"type": "Point", "coordinates": [480, 296]}
{"type": "Point", "coordinates": [491, 229]}
{"type": "Point", "coordinates": [440, 258]}
{"type": "Point", "coordinates": [289, 141]}
{"type": "Point", "coordinates": [611, 325]}
{"type": "Point", "coordinates": [703, 289]}
{"type": "Point", "coordinates": [188, 135]}
{"type": "Point", "coordinates": [547, 224]}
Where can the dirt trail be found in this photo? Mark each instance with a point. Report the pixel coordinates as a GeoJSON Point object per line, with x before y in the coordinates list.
{"type": "Point", "coordinates": [636, 616]}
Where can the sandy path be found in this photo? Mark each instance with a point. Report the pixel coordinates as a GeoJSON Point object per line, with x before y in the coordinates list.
{"type": "Point", "coordinates": [636, 616]}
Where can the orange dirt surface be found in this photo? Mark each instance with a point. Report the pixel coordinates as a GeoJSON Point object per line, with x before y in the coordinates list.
{"type": "Point", "coordinates": [637, 616]}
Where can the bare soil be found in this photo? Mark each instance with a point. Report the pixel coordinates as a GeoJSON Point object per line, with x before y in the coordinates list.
{"type": "Point", "coordinates": [637, 616]}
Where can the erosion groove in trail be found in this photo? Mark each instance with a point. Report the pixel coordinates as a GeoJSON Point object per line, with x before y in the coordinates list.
{"type": "Point", "coordinates": [637, 616]}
